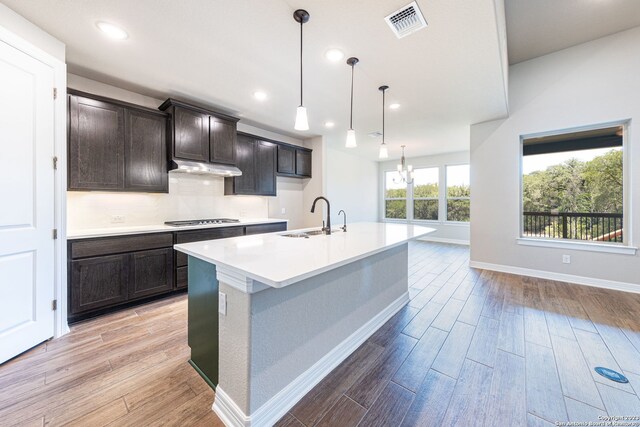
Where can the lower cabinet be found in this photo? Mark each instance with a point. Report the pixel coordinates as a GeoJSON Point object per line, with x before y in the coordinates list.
{"type": "Point", "coordinates": [151, 273]}
{"type": "Point", "coordinates": [109, 272]}
{"type": "Point", "coordinates": [98, 282]}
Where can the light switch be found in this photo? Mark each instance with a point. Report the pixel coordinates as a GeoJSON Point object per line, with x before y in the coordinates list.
{"type": "Point", "coordinates": [222, 303]}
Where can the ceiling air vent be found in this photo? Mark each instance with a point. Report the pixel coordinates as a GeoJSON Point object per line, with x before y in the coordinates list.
{"type": "Point", "coordinates": [407, 20]}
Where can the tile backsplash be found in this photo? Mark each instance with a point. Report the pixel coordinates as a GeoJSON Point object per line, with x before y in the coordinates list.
{"type": "Point", "coordinates": [189, 197]}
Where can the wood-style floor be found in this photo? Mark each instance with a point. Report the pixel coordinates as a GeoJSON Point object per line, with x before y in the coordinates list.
{"type": "Point", "coordinates": [471, 348]}
{"type": "Point", "coordinates": [477, 348]}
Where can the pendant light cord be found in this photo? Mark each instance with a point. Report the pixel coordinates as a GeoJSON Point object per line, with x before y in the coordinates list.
{"type": "Point", "coordinates": [301, 104]}
{"type": "Point", "coordinates": [351, 116]}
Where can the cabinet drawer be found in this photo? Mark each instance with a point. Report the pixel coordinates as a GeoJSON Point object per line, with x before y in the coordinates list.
{"type": "Point", "coordinates": [266, 228]}
{"type": "Point", "coordinates": [113, 245]}
{"type": "Point", "coordinates": [182, 277]}
{"type": "Point", "coordinates": [208, 234]}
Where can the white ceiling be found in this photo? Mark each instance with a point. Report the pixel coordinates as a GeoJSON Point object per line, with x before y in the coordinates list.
{"type": "Point", "coordinates": [218, 52]}
{"type": "Point", "coordinates": [539, 27]}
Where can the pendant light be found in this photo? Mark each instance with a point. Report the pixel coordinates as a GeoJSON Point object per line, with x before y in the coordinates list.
{"type": "Point", "coordinates": [351, 134]}
{"type": "Point", "coordinates": [383, 153]}
{"type": "Point", "coordinates": [302, 122]}
{"type": "Point", "coordinates": [405, 172]}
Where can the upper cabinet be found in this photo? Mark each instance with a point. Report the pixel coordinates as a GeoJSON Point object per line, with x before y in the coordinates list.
{"type": "Point", "coordinates": [294, 161]}
{"type": "Point", "coordinates": [115, 146]}
{"type": "Point", "coordinates": [201, 135]}
{"type": "Point", "coordinates": [257, 161]}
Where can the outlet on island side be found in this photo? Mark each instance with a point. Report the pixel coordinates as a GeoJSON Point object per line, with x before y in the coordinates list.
{"type": "Point", "coordinates": [222, 303]}
{"type": "Point", "coordinates": [566, 259]}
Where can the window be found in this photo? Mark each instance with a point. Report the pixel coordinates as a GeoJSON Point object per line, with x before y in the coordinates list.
{"type": "Point", "coordinates": [425, 194]}
{"type": "Point", "coordinates": [458, 193]}
{"type": "Point", "coordinates": [572, 185]}
{"type": "Point", "coordinates": [395, 197]}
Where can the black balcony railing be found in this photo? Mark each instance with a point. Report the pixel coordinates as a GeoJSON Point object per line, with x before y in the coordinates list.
{"type": "Point", "coordinates": [604, 227]}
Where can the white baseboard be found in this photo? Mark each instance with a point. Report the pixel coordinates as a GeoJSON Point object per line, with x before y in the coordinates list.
{"type": "Point", "coordinates": [570, 278]}
{"type": "Point", "coordinates": [444, 240]}
{"type": "Point", "coordinates": [276, 407]}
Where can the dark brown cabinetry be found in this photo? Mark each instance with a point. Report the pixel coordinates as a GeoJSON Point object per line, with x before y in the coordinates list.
{"type": "Point", "coordinates": [200, 134]}
{"type": "Point", "coordinates": [111, 271]}
{"type": "Point", "coordinates": [190, 134]}
{"type": "Point", "coordinates": [294, 161]}
{"type": "Point", "coordinates": [115, 146]}
{"type": "Point", "coordinates": [257, 161]}
{"type": "Point", "coordinates": [96, 145]}
{"type": "Point", "coordinates": [303, 163]}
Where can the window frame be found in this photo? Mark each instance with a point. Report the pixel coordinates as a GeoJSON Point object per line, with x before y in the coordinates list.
{"type": "Point", "coordinates": [625, 247]}
{"type": "Point", "coordinates": [413, 199]}
{"type": "Point", "coordinates": [447, 198]}
{"type": "Point", "coordinates": [385, 198]}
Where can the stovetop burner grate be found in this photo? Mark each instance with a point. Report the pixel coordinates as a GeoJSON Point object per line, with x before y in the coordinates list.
{"type": "Point", "coordinates": [201, 222]}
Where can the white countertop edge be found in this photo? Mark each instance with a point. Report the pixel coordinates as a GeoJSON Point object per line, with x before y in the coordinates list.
{"type": "Point", "coordinates": [144, 229]}
{"type": "Point", "coordinates": [300, 277]}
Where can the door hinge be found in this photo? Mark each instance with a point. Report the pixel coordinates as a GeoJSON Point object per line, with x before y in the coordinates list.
{"type": "Point", "coordinates": [55, 233]}
{"type": "Point", "coordinates": [55, 162]}
{"type": "Point", "coordinates": [55, 93]}
{"type": "Point", "coordinates": [54, 305]}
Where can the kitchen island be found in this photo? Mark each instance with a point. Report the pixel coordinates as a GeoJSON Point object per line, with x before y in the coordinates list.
{"type": "Point", "coordinates": [290, 309]}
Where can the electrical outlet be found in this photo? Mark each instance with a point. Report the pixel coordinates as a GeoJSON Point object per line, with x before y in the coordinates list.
{"type": "Point", "coordinates": [284, 211]}
{"type": "Point", "coordinates": [117, 219]}
{"type": "Point", "coordinates": [566, 259]}
{"type": "Point", "coordinates": [222, 303]}
{"type": "Point", "coordinates": [243, 214]}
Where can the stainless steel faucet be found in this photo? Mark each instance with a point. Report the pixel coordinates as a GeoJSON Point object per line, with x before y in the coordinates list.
{"type": "Point", "coordinates": [344, 225]}
{"type": "Point", "coordinates": [327, 229]}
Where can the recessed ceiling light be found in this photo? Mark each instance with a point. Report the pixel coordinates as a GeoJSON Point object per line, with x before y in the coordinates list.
{"type": "Point", "coordinates": [329, 124]}
{"type": "Point", "coordinates": [112, 31]}
{"type": "Point", "coordinates": [259, 95]}
{"type": "Point", "coordinates": [394, 106]}
{"type": "Point", "coordinates": [334, 55]}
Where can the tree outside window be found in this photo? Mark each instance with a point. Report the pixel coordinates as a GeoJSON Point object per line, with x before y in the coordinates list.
{"type": "Point", "coordinates": [395, 197]}
{"type": "Point", "coordinates": [458, 193]}
{"type": "Point", "coordinates": [425, 194]}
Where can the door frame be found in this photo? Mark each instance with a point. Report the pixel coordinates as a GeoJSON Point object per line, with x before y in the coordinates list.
{"type": "Point", "coordinates": [59, 68]}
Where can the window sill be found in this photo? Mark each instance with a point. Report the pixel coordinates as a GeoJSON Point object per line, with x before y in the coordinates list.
{"type": "Point", "coordinates": [578, 246]}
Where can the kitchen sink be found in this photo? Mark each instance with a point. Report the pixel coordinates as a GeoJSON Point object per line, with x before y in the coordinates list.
{"type": "Point", "coordinates": [307, 234]}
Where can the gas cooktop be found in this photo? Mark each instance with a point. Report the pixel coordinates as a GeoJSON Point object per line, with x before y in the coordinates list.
{"type": "Point", "coordinates": [201, 222]}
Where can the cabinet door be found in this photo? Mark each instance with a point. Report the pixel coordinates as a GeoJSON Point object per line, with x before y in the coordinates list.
{"type": "Point", "coordinates": [303, 163]}
{"type": "Point", "coordinates": [98, 282]}
{"type": "Point", "coordinates": [246, 162]}
{"type": "Point", "coordinates": [191, 133]}
{"type": "Point", "coordinates": [96, 145]}
{"type": "Point", "coordinates": [151, 273]}
{"type": "Point", "coordinates": [266, 168]}
{"type": "Point", "coordinates": [145, 152]}
{"type": "Point", "coordinates": [286, 160]}
{"type": "Point", "coordinates": [222, 138]}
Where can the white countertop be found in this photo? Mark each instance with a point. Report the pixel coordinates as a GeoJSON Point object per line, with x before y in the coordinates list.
{"type": "Point", "coordinates": [278, 261]}
{"type": "Point", "coordinates": [158, 228]}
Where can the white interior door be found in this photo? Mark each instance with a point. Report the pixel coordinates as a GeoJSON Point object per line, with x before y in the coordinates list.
{"type": "Point", "coordinates": [26, 202]}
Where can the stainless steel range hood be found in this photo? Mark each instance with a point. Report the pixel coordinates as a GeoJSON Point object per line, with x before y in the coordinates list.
{"type": "Point", "coordinates": [198, 168]}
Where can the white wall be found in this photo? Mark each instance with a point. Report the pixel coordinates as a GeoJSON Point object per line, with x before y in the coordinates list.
{"type": "Point", "coordinates": [316, 186]}
{"type": "Point", "coordinates": [352, 185]}
{"type": "Point", "coordinates": [592, 83]}
{"type": "Point", "coordinates": [24, 29]}
{"type": "Point", "coordinates": [445, 231]}
{"type": "Point", "coordinates": [189, 197]}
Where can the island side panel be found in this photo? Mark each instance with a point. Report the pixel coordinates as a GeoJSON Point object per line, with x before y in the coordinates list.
{"type": "Point", "coordinates": [294, 327]}
{"type": "Point", "coordinates": [203, 319]}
